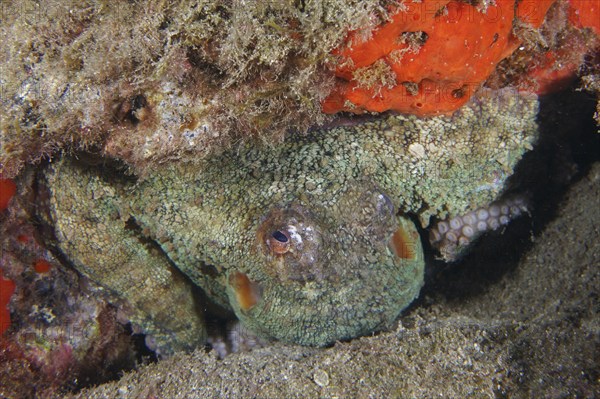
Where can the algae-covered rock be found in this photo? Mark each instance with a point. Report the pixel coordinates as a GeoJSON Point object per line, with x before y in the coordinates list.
{"type": "Point", "coordinates": [152, 80]}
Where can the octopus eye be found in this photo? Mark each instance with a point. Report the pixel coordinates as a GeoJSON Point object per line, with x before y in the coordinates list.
{"type": "Point", "coordinates": [279, 242]}
{"type": "Point", "coordinates": [289, 239]}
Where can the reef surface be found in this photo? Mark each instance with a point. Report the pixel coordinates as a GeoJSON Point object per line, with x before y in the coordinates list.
{"type": "Point", "coordinates": [151, 81]}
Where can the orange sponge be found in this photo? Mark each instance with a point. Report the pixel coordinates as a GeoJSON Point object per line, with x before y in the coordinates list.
{"type": "Point", "coordinates": [585, 14]}
{"type": "Point", "coordinates": [430, 57]}
{"type": "Point", "coordinates": [579, 42]}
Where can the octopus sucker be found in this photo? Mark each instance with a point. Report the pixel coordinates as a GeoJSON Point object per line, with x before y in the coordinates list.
{"type": "Point", "coordinates": [303, 240]}
{"type": "Point", "coordinates": [452, 238]}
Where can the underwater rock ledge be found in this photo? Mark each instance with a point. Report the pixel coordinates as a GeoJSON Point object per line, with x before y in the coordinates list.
{"type": "Point", "coordinates": [150, 81]}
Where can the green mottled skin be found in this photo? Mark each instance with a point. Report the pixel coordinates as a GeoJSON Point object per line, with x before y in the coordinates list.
{"type": "Point", "coordinates": [341, 190]}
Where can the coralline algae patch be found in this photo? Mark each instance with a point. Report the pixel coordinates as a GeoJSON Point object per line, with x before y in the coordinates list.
{"type": "Point", "coordinates": [8, 188]}
{"type": "Point", "coordinates": [432, 56]}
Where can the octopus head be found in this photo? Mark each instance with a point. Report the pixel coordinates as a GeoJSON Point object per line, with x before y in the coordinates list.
{"type": "Point", "coordinates": [328, 273]}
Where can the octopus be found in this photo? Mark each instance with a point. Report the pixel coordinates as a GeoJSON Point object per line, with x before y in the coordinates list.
{"type": "Point", "coordinates": [309, 242]}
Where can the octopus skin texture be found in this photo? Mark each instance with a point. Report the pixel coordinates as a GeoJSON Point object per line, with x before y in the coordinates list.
{"type": "Point", "coordinates": [309, 242]}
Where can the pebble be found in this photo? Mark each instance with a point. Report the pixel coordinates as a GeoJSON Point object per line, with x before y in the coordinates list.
{"type": "Point", "coordinates": [321, 378]}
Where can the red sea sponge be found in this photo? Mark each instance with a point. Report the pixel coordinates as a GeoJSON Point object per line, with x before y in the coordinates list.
{"type": "Point", "coordinates": [430, 57]}
{"type": "Point", "coordinates": [7, 190]}
{"type": "Point", "coordinates": [7, 287]}
{"type": "Point", "coordinates": [42, 266]}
